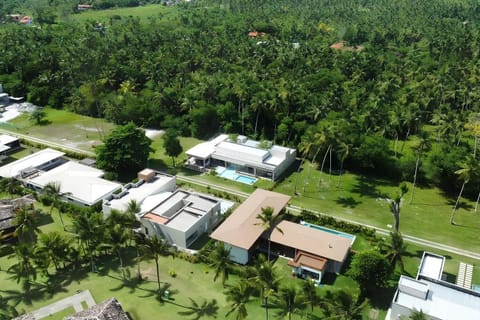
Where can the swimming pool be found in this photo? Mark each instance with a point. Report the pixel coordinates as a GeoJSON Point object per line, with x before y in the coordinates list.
{"type": "Point", "coordinates": [335, 232]}
{"type": "Point", "coordinates": [231, 174]}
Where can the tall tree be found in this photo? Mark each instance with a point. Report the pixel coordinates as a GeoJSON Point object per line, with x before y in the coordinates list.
{"type": "Point", "coordinates": [395, 250]}
{"type": "Point", "coordinates": [309, 291]}
{"type": "Point", "coordinates": [264, 277]}
{"type": "Point", "coordinates": [289, 301]}
{"type": "Point", "coordinates": [371, 270]}
{"type": "Point", "coordinates": [154, 248]}
{"type": "Point", "coordinates": [423, 145]}
{"type": "Point", "coordinates": [55, 246]}
{"type": "Point", "coordinates": [220, 257]}
{"type": "Point", "coordinates": [467, 169]}
{"type": "Point", "coordinates": [27, 223]}
{"type": "Point", "coordinates": [53, 190]}
{"type": "Point", "coordinates": [117, 237]}
{"type": "Point", "coordinates": [343, 305]}
{"type": "Point", "coordinates": [24, 269]}
{"type": "Point", "coordinates": [126, 148]}
{"type": "Point", "coordinates": [269, 222]}
{"type": "Point", "coordinates": [172, 145]}
{"type": "Point", "coordinates": [395, 206]}
{"type": "Point", "coordinates": [238, 296]}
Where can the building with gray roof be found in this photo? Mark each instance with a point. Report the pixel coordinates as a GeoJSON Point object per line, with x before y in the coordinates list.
{"type": "Point", "coordinates": [179, 217]}
{"type": "Point", "coordinates": [438, 299]}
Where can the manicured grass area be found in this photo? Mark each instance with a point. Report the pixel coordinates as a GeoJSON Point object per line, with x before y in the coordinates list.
{"type": "Point", "coordinates": [160, 161]}
{"type": "Point", "coordinates": [63, 127]}
{"type": "Point", "coordinates": [104, 16]}
{"type": "Point", "coordinates": [362, 199]}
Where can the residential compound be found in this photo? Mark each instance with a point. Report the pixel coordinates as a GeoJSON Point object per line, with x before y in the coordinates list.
{"type": "Point", "coordinates": [243, 155]}
{"type": "Point", "coordinates": [438, 299]}
{"type": "Point", "coordinates": [311, 250]}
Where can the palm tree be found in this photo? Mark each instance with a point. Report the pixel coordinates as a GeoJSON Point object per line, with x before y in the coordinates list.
{"type": "Point", "coordinates": [53, 190]}
{"type": "Point", "coordinates": [27, 222]}
{"type": "Point", "coordinates": [418, 315]}
{"type": "Point", "coordinates": [206, 309]}
{"type": "Point", "coordinates": [239, 296]}
{"type": "Point", "coordinates": [154, 248]}
{"type": "Point", "coordinates": [423, 144]}
{"type": "Point", "coordinates": [309, 291]}
{"type": "Point", "coordinates": [10, 185]}
{"type": "Point", "coordinates": [55, 246]}
{"type": "Point", "coordinates": [90, 229]}
{"type": "Point", "coordinates": [395, 250]}
{"type": "Point", "coordinates": [466, 171]}
{"type": "Point", "coordinates": [7, 312]}
{"type": "Point", "coordinates": [269, 222]}
{"type": "Point", "coordinates": [395, 206]}
{"type": "Point", "coordinates": [118, 236]}
{"type": "Point", "coordinates": [220, 257]}
{"type": "Point", "coordinates": [344, 151]}
{"type": "Point", "coordinates": [24, 269]}
{"type": "Point", "coordinates": [289, 301]}
{"type": "Point", "coordinates": [343, 305]}
{"type": "Point", "coordinates": [264, 277]}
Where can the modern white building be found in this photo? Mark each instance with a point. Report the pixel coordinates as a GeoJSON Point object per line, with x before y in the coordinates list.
{"type": "Point", "coordinates": [78, 183]}
{"type": "Point", "coordinates": [438, 299]}
{"type": "Point", "coordinates": [243, 155]}
{"type": "Point", "coordinates": [8, 143]}
{"type": "Point", "coordinates": [179, 217]}
{"type": "Point", "coordinates": [39, 161]}
{"type": "Point", "coordinates": [149, 182]}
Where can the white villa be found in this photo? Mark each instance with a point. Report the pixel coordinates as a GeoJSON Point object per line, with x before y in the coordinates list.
{"type": "Point", "coordinates": [179, 217]}
{"type": "Point", "coordinates": [438, 299]}
{"type": "Point", "coordinates": [79, 184]}
{"type": "Point", "coordinates": [32, 164]}
{"type": "Point", "coordinates": [243, 155]}
{"type": "Point", "coordinates": [149, 182]}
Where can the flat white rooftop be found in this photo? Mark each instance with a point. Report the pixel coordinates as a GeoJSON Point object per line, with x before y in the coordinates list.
{"type": "Point", "coordinates": [181, 209]}
{"type": "Point", "coordinates": [83, 183]}
{"type": "Point", "coordinates": [444, 300]}
{"type": "Point", "coordinates": [34, 160]}
{"type": "Point", "coordinates": [205, 149]}
{"type": "Point", "coordinates": [138, 194]}
{"type": "Point", "coordinates": [5, 139]}
{"type": "Point", "coordinates": [431, 266]}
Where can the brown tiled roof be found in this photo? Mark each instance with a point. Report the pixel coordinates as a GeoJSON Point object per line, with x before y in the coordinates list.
{"type": "Point", "coordinates": [107, 310]}
{"type": "Point", "coordinates": [239, 229]}
{"type": "Point", "coordinates": [155, 218]}
{"type": "Point", "coordinates": [314, 241]}
{"type": "Point", "coordinates": [308, 260]}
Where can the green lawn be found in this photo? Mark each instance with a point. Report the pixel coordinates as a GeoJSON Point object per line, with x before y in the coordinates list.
{"type": "Point", "coordinates": [64, 127]}
{"type": "Point", "coordinates": [104, 16]}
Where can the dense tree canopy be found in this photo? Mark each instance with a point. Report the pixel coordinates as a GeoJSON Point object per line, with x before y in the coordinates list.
{"type": "Point", "coordinates": [402, 66]}
{"type": "Point", "coordinates": [126, 149]}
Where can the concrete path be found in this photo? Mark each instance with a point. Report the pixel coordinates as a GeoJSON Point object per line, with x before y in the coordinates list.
{"type": "Point", "coordinates": [74, 301]}
{"type": "Point", "coordinates": [406, 237]}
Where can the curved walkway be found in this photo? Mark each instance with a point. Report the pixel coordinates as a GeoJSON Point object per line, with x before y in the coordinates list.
{"type": "Point", "coordinates": [409, 238]}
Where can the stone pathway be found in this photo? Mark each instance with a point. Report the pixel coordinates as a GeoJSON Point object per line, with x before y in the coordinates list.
{"type": "Point", "coordinates": [74, 301]}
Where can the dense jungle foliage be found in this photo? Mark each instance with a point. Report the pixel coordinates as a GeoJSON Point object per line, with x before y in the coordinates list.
{"type": "Point", "coordinates": [405, 69]}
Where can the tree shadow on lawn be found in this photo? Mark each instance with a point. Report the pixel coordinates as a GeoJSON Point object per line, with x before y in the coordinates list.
{"type": "Point", "coordinates": [44, 219]}
{"type": "Point", "coordinates": [348, 202]}
{"type": "Point", "coordinates": [461, 205]}
{"type": "Point", "coordinates": [367, 187]}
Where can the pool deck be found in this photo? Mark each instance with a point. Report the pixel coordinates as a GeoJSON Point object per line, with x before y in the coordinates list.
{"type": "Point", "coordinates": [231, 174]}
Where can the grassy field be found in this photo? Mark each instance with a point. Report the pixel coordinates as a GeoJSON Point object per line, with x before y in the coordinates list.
{"type": "Point", "coordinates": [104, 16]}
{"type": "Point", "coordinates": [63, 127]}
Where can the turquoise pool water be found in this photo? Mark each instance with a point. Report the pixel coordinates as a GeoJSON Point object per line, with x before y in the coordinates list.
{"type": "Point", "coordinates": [231, 174]}
{"type": "Point", "coordinates": [335, 232]}
{"type": "Point", "coordinates": [476, 287]}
